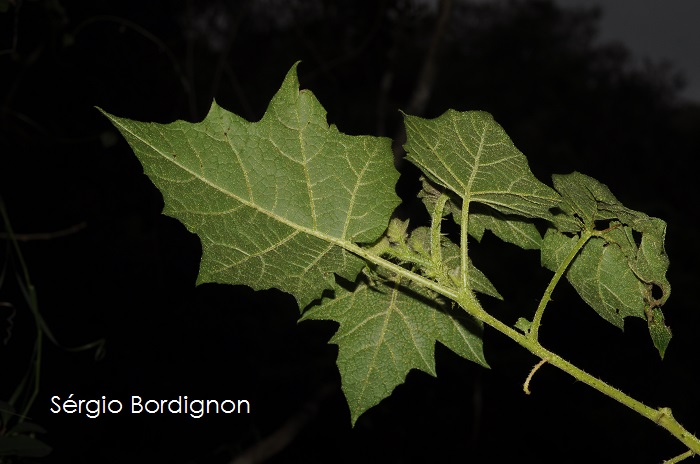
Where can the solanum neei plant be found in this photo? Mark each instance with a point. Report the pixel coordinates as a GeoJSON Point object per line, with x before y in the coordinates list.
{"type": "Point", "coordinates": [290, 202]}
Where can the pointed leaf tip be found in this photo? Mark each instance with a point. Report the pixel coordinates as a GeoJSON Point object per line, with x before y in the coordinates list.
{"type": "Point", "coordinates": [273, 202]}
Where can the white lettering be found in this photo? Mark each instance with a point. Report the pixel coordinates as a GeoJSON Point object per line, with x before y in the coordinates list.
{"type": "Point", "coordinates": [91, 408]}
{"type": "Point", "coordinates": [233, 407]}
{"type": "Point", "coordinates": [197, 409]}
{"type": "Point", "coordinates": [136, 402]}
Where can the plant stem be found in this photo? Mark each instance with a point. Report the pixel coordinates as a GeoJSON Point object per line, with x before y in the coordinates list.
{"type": "Point", "coordinates": [537, 319]}
{"type": "Point", "coordinates": [463, 238]}
{"type": "Point", "coordinates": [679, 458]}
{"type": "Point", "coordinates": [435, 229]}
{"type": "Point", "coordinates": [661, 416]}
{"type": "Point", "coordinates": [401, 271]}
{"type": "Point", "coordinates": [467, 300]}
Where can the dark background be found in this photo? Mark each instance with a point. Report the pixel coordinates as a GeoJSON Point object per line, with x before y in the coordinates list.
{"type": "Point", "coordinates": [127, 274]}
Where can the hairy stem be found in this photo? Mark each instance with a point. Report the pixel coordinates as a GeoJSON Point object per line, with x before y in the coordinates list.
{"type": "Point", "coordinates": [679, 458]}
{"type": "Point", "coordinates": [467, 300]}
{"type": "Point", "coordinates": [537, 319]}
{"type": "Point", "coordinates": [370, 256]}
{"type": "Point", "coordinates": [435, 229]}
{"type": "Point", "coordinates": [463, 245]}
{"type": "Point", "coordinates": [661, 416]}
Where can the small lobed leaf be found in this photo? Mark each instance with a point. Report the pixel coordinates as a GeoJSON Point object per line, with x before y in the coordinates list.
{"type": "Point", "coordinates": [615, 272]}
{"type": "Point", "coordinates": [601, 276]}
{"type": "Point", "coordinates": [471, 155]}
{"type": "Point", "coordinates": [388, 329]}
{"type": "Point", "coordinates": [273, 202]}
{"type": "Point", "coordinates": [523, 325]}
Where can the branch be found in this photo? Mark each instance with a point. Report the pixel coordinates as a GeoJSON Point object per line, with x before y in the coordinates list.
{"type": "Point", "coordinates": [537, 319]}
{"type": "Point", "coordinates": [467, 300]}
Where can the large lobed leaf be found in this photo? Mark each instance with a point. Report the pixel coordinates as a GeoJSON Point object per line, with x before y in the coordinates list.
{"type": "Point", "coordinates": [388, 328]}
{"type": "Point", "coordinates": [273, 202]}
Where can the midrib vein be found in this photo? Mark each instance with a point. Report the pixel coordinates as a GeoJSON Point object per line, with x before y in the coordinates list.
{"type": "Point", "coordinates": [315, 233]}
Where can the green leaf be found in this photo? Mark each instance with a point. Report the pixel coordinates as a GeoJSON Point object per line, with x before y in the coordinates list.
{"type": "Point", "coordinates": [509, 228]}
{"type": "Point", "coordinates": [523, 325]}
{"type": "Point", "coordinates": [471, 155]}
{"type": "Point", "coordinates": [651, 261]}
{"type": "Point", "coordinates": [273, 202]}
{"type": "Point", "coordinates": [584, 198]}
{"type": "Point", "coordinates": [615, 272]}
{"type": "Point", "coordinates": [660, 333]}
{"type": "Point", "coordinates": [600, 274]}
{"type": "Point", "coordinates": [419, 241]}
{"type": "Point", "coordinates": [555, 248]}
{"type": "Point", "coordinates": [388, 329]}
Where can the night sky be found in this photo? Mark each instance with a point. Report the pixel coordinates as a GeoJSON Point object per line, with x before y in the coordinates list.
{"type": "Point", "coordinates": [654, 31]}
{"type": "Point", "coordinates": [112, 273]}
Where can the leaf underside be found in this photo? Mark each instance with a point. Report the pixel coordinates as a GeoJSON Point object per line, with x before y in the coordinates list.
{"type": "Point", "coordinates": [273, 202]}
{"type": "Point", "coordinates": [615, 273]}
{"type": "Point", "coordinates": [286, 201]}
{"type": "Point", "coordinates": [472, 156]}
{"type": "Point", "coordinates": [387, 328]}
